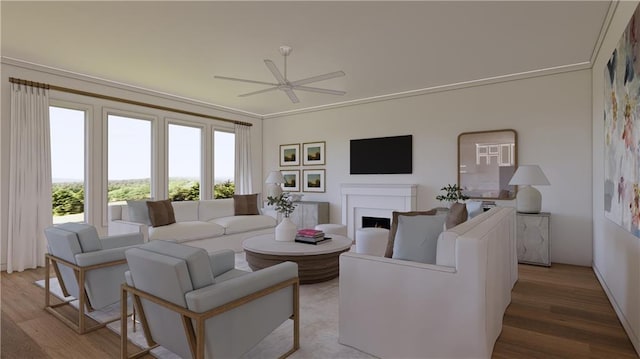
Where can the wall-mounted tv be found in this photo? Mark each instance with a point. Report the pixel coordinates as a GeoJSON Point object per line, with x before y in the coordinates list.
{"type": "Point", "coordinates": [382, 155]}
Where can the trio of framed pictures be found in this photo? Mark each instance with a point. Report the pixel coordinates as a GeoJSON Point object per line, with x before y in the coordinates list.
{"type": "Point", "coordinates": [313, 154]}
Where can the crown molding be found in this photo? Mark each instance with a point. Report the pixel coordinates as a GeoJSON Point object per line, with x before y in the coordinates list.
{"type": "Point", "coordinates": [442, 88]}
{"type": "Point", "coordinates": [122, 86]}
{"type": "Point", "coordinates": [603, 30]}
{"type": "Point", "coordinates": [387, 97]}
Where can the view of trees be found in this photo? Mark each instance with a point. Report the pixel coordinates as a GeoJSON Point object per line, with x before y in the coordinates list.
{"type": "Point", "coordinates": [68, 198]}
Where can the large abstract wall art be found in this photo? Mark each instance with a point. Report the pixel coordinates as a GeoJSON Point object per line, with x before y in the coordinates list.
{"type": "Point", "coordinates": [622, 130]}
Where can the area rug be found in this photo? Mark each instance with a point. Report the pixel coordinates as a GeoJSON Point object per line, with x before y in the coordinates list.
{"type": "Point", "coordinates": [318, 325]}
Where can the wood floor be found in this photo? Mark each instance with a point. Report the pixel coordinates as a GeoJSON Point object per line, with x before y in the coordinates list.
{"type": "Point", "coordinates": [557, 312]}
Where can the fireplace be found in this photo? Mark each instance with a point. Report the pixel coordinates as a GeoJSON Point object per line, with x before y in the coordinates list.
{"type": "Point", "coordinates": [374, 200]}
{"type": "Point", "coordinates": [376, 222]}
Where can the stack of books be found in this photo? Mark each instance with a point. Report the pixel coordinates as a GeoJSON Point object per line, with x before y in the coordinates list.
{"type": "Point", "coordinates": [311, 236]}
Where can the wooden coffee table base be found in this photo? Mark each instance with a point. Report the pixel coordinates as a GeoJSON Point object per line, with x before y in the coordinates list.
{"type": "Point", "coordinates": [311, 268]}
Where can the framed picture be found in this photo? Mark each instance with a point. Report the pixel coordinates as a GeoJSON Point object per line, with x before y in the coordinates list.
{"type": "Point", "coordinates": [313, 180]}
{"type": "Point", "coordinates": [291, 181]}
{"type": "Point", "coordinates": [290, 155]}
{"type": "Point", "coordinates": [313, 153]}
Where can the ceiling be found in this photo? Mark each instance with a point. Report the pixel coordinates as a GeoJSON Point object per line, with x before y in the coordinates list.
{"type": "Point", "coordinates": [383, 47]}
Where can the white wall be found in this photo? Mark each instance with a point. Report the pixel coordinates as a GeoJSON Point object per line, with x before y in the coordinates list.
{"type": "Point", "coordinates": [97, 214]}
{"type": "Point", "coordinates": [551, 115]}
{"type": "Point", "coordinates": [616, 252]}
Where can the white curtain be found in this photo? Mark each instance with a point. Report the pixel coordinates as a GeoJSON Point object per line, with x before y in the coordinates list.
{"type": "Point", "coordinates": [243, 160]}
{"type": "Point", "coordinates": [29, 177]}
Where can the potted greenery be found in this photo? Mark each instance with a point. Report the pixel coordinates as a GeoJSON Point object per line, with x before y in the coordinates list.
{"type": "Point", "coordinates": [453, 194]}
{"type": "Point", "coordinates": [286, 230]}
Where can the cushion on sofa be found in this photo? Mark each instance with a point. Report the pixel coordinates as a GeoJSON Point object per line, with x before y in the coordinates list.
{"type": "Point", "coordinates": [456, 215]}
{"type": "Point", "coordinates": [245, 204]}
{"type": "Point", "coordinates": [185, 210]}
{"type": "Point", "coordinates": [215, 208]}
{"type": "Point", "coordinates": [394, 227]}
{"type": "Point", "coordinates": [186, 231]}
{"type": "Point", "coordinates": [138, 212]}
{"type": "Point", "coordinates": [417, 237]}
{"type": "Point", "coordinates": [237, 224]}
{"type": "Point", "coordinates": [161, 213]}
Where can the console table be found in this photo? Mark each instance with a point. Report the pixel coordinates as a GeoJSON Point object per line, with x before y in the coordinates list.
{"type": "Point", "coordinates": [532, 233]}
{"type": "Point", "coordinates": [308, 213]}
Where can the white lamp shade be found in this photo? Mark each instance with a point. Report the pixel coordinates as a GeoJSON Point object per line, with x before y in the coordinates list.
{"type": "Point", "coordinates": [529, 175]}
{"type": "Point", "coordinates": [275, 177]}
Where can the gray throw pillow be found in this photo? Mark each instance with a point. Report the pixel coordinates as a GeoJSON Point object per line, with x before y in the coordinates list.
{"type": "Point", "coordinates": [394, 226]}
{"type": "Point", "coordinates": [417, 238]}
{"type": "Point", "coordinates": [139, 212]}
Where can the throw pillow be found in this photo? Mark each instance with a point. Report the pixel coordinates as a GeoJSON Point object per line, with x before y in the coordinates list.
{"type": "Point", "coordinates": [474, 208]}
{"type": "Point", "coordinates": [394, 227]}
{"type": "Point", "coordinates": [245, 204]}
{"type": "Point", "coordinates": [457, 214]}
{"type": "Point", "coordinates": [161, 213]}
{"type": "Point", "coordinates": [417, 238]}
{"type": "Point", "coordinates": [138, 212]}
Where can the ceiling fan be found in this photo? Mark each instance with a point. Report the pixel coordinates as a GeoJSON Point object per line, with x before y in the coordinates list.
{"type": "Point", "coordinates": [288, 86]}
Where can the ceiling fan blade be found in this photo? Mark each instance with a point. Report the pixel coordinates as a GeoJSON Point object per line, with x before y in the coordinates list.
{"type": "Point", "coordinates": [320, 90]}
{"type": "Point", "coordinates": [244, 80]}
{"type": "Point", "coordinates": [274, 70]}
{"type": "Point", "coordinates": [291, 95]}
{"type": "Point", "coordinates": [257, 92]}
{"type": "Point", "coordinates": [309, 80]}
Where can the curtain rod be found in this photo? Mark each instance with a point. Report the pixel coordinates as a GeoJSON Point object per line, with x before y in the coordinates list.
{"type": "Point", "coordinates": [118, 99]}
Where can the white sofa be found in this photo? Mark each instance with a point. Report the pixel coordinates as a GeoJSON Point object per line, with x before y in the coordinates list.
{"type": "Point", "coordinates": [208, 224]}
{"type": "Point", "coordinates": [398, 309]}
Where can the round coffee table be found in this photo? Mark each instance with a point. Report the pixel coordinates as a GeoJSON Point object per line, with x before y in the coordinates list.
{"type": "Point", "coordinates": [316, 263]}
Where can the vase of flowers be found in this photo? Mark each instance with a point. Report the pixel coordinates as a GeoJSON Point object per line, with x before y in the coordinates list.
{"type": "Point", "coordinates": [453, 193]}
{"type": "Point", "coordinates": [286, 230]}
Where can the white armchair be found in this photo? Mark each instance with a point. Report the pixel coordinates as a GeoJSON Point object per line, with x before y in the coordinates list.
{"type": "Point", "coordinates": [452, 309]}
{"type": "Point", "coordinates": [89, 268]}
{"type": "Point", "coordinates": [197, 304]}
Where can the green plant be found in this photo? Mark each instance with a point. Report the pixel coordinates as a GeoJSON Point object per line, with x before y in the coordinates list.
{"type": "Point", "coordinates": [283, 204]}
{"type": "Point", "coordinates": [224, 190]}
{"type": "Point", "coordinates": [453, 194]}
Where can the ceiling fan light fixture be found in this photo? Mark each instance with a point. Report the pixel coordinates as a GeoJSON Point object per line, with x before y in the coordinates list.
{"type": "Point", "coordinates": [285, 50]}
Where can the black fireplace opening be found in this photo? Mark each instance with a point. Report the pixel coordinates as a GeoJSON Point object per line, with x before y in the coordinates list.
{"type": "Point", "coordinates": [376, 222]}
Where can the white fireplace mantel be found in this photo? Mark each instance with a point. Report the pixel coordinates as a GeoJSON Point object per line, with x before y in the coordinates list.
{"type": "Point", "coordinates": [379, 200]}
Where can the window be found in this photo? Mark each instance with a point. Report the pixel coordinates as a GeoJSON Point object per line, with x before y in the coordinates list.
{"type": "Point", "coordinates": [224, 150]}
{"type": "Point", "coordinates": [67, 129]}
{"type": "Point", "coordinates": [184, 162]}
{"type": "Point", "coordinates": [129, 158]}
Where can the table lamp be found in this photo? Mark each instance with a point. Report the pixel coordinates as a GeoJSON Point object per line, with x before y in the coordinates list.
{"type": "Point", "coordinates": [529, 199]}
{"type": "Point", "coordinates": [274, 179]}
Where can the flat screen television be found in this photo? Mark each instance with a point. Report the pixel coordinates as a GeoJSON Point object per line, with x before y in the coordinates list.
{"type": "Point", "coordinates": [382, 155]}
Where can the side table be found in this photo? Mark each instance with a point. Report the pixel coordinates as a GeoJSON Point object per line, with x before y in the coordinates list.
{"type": "Point", "coordinates": [532, 233]}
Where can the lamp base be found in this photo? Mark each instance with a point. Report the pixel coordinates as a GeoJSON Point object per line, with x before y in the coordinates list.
{"type": "Point", "coordinates": [528, 200]}
{"type": "Point", "coordinates": [273, 190]}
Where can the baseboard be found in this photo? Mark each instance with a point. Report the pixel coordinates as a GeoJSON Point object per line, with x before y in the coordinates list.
{"type": "Point", "coordinates": [635, 340]}
{"type": "Point", "coordinates": [3, 267]}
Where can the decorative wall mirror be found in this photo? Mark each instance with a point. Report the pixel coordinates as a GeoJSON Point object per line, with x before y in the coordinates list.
{"type": "Point", "coordinates": [486, 163]}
